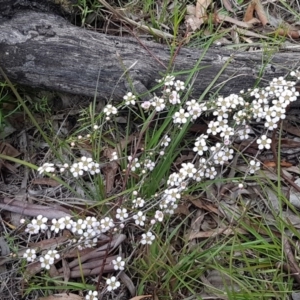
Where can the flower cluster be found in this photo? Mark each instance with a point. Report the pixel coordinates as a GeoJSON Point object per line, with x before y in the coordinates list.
{"type": "Point", "coordinates": [85, 164]}
{"type": "Point", "coordinates": [233, 117]}
{"type": "Point", "coordinates": [231, 121]}
{"type": "Point", "coordinates": [87, 230]}
{"type": "Point", "coordinates": [146, 165]}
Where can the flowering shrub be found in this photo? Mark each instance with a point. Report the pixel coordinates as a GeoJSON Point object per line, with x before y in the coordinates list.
{"type": "Point", "coordinates": [231, 121]}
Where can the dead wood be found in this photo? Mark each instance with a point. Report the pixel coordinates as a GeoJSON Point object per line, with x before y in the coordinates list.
{"type": "Point", "coordinates": [45, 51]}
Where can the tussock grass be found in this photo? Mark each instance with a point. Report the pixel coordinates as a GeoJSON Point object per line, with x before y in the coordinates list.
{"type": "Point", "coordinates": [223, 239]}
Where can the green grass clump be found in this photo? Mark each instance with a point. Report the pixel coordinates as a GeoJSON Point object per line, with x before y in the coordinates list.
{"type": "Point", "coordinates": [146, 178]}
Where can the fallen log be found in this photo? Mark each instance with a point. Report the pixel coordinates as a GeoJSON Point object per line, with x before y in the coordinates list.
{"type": "Point", "coordinates": [44, 50]}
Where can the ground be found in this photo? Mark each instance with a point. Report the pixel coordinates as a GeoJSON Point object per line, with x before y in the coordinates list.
{"type": "Point", "coordinates": [172, 198]}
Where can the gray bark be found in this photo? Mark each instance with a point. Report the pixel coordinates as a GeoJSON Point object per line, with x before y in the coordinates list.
{"type": "Point", "coordinates": [45, 51]}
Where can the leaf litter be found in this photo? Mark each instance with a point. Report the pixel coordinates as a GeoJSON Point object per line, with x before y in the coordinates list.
{"type": "Point", "coordinates": [213, 213]}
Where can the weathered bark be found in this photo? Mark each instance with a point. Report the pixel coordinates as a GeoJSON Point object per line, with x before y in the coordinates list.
{"type": "Point", "coordinates": [46, 51]}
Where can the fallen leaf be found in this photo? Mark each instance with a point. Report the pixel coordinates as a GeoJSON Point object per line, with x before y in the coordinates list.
{"type": "Point", "coordinates": [272, 164]}
{"type": "Point", "coordinates": [249, 12]}
{"type": "Point", "coordinates": [196, 15]}
{"type": "Point", "coordinates": [260, 12]}
{"type": "Point", "coordinates": [215, 232]}
{"type": "Point", "coordinates": [223, 18]}
{"type": "Point", "coordinates": [294, 169]}
{"type": "Point", "coordinates": [63, 296]}
{"type": "Point", "coordinates": [193, 23]}
{"type": "Point", "coordinates": [295, 34]}
{"type": "Point", "coordinates": [110, 171]}
{"type": "Point", "coordinates": [201, 204]}
{"type": "Point", "coordinates": [128, 283]}
{"type": "Point", "coordinates": [290, 128]}
{"type": "Point", "coordinates": [227, 5]}
{"type": "Point", "coordinates": [33, 210]}
{"type": "Point", "coordinates": [201, 7]}
{"type": "Point", "coordinates": [8, 150]}
{"type": "Point", "coordinates": [141, 297]}
{"type": "Point", "coordinates": [45, 181]}
{"type": "Point", "coordinates": [182, 209]}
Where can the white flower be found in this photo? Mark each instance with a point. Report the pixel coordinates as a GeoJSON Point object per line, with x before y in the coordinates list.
{"type": "Point", "coordinates": [46, 261]}
{"type": "Point", "coordinates": [78, 226]}
{"type": "Point", "coordinates": [179, 85]}
{"type": "Point", "coordinates": [46, 167]}
{"type": "Point", "coordinates": [40, 221]}
{"type": "Point", "coordinates": [89, 241]}
{"type": "Point", "coordinates": [174, 179]}
{"type": "Point", "coordinates": [243, 132]}
{"type": "Point", "coordinates": [147, 238]}
{"type": "Point", "coordinates": [264, 142]}
{"type": "Point", "coordinates": [271, 124]}
{"type": "Point", "coordinates": [110, 110]}
{"type": "Point", "coordinates": [187, 170]}
{"type": "Point", "coordinates": [172, 195]}
{"type": "Point", "coordinates": [226, 132]}
{"type": "Point", "coordinates": [114, 156]}
{"type": "Point", "coordinates": [199, 175]}
{"type": "Point", "coordinates": [92, 295]}
{"type": "Point", "coordinates": [90, 233]}
{"type": "Point", "coordinates": [149, 164]}
{"type": "Point", "coordinates": [129, 99]}
{"type": "Point", "coordinates": [200, 144]}
{"type": "Point", "coordinates": [181, 117]}
{"type": "Point", "coordinates": [165, 141]}
{"type": "Point", "coordinates": [295, 74]}
{"type": "Point", "coordinates": [159, 216]}
{"type": "Point", "coordinates": [139, 218]}
{"type": "Point", "coordinates": [121, 214]}
{"type": "Point", "coordinates": [169, 80]}
{"type": "Point", "coordinates": [56, 226]}
{"type": "Point", "coordinates": [85, 163]}
{"type": "Point", "coordinates": [210, 172]}
{"type": "Point", "coordinates": [94, 168]}
{"type": "Point", "coordinates": [90, 222]}
{"type": "Point", "coordinates": [174, 98]}
{"type": "Point", "coordinates": [146, 105]}
{"type": "Point", "coordinates": [76, 170]}
{"type": "Point", "coordinates": [134, 163]}
{"type": "Point", "coordinates": [221, 114]}
{"type": "Point", "coordinates": [32, 228]}
{"type": "Point", "coordinates": [194, 108]}
{"type": "Point", "coordinates": [112, 283]}
{"type": "Point", "coordinates": [53, 254]}
{"type": "Point", "coordinates": [253, 166]}
{"type": "Point", "coordinates": [138, 202]}
{"type": "Point", "coordinates": [220, 157]}
{"type": "Point", "coordinates": [213, 127]}
{"type": "Point", "coordinates": [30, 255]}
{"type": "Point", "coordinates": [228, 153]}
{"type": "Point", "coordinates": [119, 264]}
{"type": "Point", "coordinates": [106, 224]}
{"type": "Point", "coordinates": [66, 222]}
{"type": "Point", "coordinates": [158, 103]}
